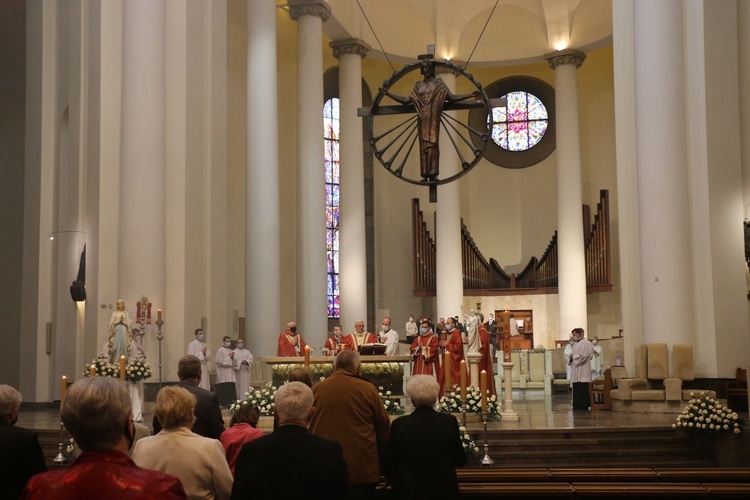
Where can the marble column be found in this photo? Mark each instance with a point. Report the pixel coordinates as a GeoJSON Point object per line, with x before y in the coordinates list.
{"type": "Point", "coordinates": [262, 248]}
{"type": "Point", "coordinates": [352, 250]}
{"type": "Point", "coordinates": [448, 261]}
{"type": "Point", "coordinates": [571, 269]}
{"type": "Point", "coordinates": [311, 224]}
{"type": "Point", "coordinates": [663, 181]}
{"type": "Point", "coordinates": [142, 182]}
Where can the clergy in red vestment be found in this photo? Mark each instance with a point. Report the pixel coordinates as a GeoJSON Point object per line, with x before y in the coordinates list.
{"type": "Point", "coordinates": [359, 337]}
{"type": "Point", "coordinates": [486, 362]}
{"type": "Point", "coordinates": [290, 342]}
{"type": "Point", "coordinates": [424, 351]}
{"type": "Point", "coordinates": [455, 346]}
{"type": "Point", "coordinates": [333, 344]}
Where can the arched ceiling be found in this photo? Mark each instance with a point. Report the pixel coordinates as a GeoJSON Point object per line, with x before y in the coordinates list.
{"type": "Point", "coordinates": [519, 30]}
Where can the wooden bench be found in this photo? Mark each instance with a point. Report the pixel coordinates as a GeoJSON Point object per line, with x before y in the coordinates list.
{"type": "Point", "coordinates": [737, 391]}
{"type": "Point", "coordinates": [642, 482]}
{"type": "Point", "coordinates": [599, 392]}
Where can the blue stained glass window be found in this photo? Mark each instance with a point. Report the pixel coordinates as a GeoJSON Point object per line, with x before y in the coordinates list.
{"type": "Point", "coordinates": [331, 161]}
{"type": "Point", "coordinates": [521, 124]}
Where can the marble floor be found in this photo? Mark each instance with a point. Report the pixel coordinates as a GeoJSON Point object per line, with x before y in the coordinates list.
{"type": "Point", "coordinates": [535, 411]}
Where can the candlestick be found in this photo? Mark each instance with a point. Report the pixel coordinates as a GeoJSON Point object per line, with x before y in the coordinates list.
{"type": "Point", "coordinates": [307, 355]}
{"type": "Point", "coordinates": [159, 337]}
{"type": "Point", "coordinates": [63, 390]}
{"type": "Point", "coordinates": [158, 314]}
{"type": "Point", "coordinates": [447, 364]}
{"type": "Point", "coordinates": [483, 388]}
{"type": "Point", "coordinates": [463, 380]}
{"type": "Point", "coordinates": [122, 367]}
{"type": "Point", "coordinates": [92, 370]}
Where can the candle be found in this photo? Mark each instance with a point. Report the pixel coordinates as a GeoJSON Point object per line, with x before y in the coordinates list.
{"type": "Point", "coordinates": [447, 364]}
{"type": "Point", "coordinates": [463, 380]}
{"type": "Point", "coordinates": [122, 367]}
{"type": "Point", "coordinates": [307, 355]}
{"type": "Point", "coordinates": [63, 390]}
{"type": "Point", "coordinates": [158, 314]}
{"type": "Point", "coordinates": [483, 388]}
{"type": "Point", "coordinates": [92, 371]}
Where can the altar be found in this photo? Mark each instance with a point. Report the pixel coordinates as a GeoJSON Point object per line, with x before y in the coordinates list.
{"type": "Point", "coordinates": [383, 371]}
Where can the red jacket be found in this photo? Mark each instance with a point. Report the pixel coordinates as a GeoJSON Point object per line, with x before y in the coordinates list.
{"type": "Point", "coordinates": [104, 474]}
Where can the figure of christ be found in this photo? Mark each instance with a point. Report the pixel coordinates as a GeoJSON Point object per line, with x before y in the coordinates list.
{"type": "Point", "coordinates": [472, 320]}
{"type": "Point", "coordinates": [428, 97]}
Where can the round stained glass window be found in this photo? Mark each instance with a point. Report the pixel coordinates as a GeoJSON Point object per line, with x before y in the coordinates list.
{"type": "Point", "coordinates": [521, 124]}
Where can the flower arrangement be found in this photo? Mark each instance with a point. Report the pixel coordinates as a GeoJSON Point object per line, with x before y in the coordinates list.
{"type": "Point", "coordinates": [103, 368]}
{"type": "Point", "coordinates": [263, 399]}
{"type": "Point", "coordinates": [707, 414]}
{"type": "Point", "coordinates": [392, 406]}
{"type": "Point", "coordinates": [137, 370]}
{"type": "Point", "coordinates": [451, 402]}
{"type": "Point", "coordinates": [539, 348]}
{"type": "Point", "coordinates": [470, 447]}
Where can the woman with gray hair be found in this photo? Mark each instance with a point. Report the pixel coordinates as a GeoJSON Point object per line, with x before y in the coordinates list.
{"type": "Point", "coordinates": [428, 438]}
{"type": "Point", "coordinates": [199, 462]}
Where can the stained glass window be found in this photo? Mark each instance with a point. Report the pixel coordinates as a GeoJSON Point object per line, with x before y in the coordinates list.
{"type": "Point", "coordinates": [331, 160]}
{"type": "Point", "coordinates": [521, 124]}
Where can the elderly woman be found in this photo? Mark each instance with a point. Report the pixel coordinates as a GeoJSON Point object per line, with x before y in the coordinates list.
{"type": "Point", "coordinates": [427, 438]}
{"type": "Point", "coordinates": [243, 428]}
{"type": "Point", "coordinates": [199, 462]}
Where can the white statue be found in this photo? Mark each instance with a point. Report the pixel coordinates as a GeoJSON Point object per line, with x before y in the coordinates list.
{"type": "Point", "coordinates": [472, 331]}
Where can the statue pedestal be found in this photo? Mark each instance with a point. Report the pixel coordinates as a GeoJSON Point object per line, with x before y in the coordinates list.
{"type": "Point", "coordinates": [473, 358]}
{"type": "Point", "coordinates": [508, 415]}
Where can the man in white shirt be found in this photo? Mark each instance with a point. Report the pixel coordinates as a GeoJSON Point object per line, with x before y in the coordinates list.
{"type": "Point", "coordinates": [243, 363]}
{"type": "Point", "coordinates": [389, 338]}
{"type": "Point", "coordinates": [199, 349]}
{"type": "Point", "coordinates": [225, 387]}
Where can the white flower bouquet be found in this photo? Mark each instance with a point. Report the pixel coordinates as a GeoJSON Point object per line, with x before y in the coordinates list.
{"type": "Point", "coordinates": [102, 368]}
{"type": "Point", "coordinates": [707, 414]}
{"type": "Point", "coordinates": [392, 406]}
{"type": "Point", "coordinates": [263, 399]}
{"type": "Point", "coordinates": [137, 370]}
{"type": "Point", "coordinates": [451, 402]}
{"type": "Point", "coordinates": [470, 447]}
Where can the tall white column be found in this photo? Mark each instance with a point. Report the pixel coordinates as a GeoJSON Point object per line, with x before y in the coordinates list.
{"type": "Point", "coordinates": [352, 250]}
{"type": "Point", "coordinates": [262, 248]}
{"type": "Point", "coordinates": [571, 269]}
{"type": "Point", "coordinates": [142, 180]}
{"type": "Point", "coordinates": [663, 200]}
{"type": "Point", "coordinates": [311, 224]}
{"type": "Point", "coordinates": [448, 261]}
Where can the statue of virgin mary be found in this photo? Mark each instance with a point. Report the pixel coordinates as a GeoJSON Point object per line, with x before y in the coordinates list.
{"type": "Point", "coordinates": [120, 328]}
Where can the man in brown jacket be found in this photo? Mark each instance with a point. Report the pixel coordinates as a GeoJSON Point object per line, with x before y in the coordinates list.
{"type": "Point", "coordinates": [348, 409]}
